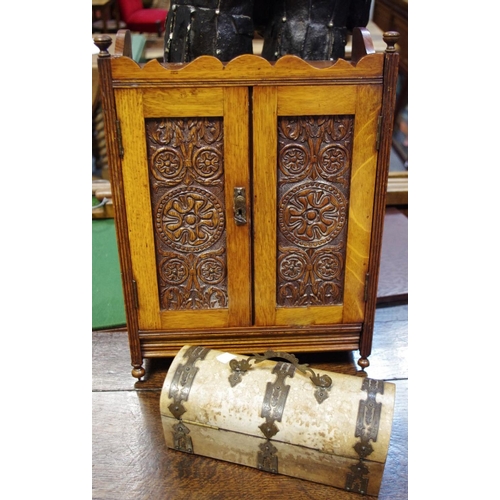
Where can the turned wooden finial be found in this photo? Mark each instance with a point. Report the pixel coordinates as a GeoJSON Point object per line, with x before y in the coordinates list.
{"type": "Point", "coordinates": [103, 42]}
{"type": "Point", "coordinates": [391, 38]}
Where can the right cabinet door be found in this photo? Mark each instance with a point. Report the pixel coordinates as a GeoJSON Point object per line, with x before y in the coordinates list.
{"type": "Point", "coordinates": [315, 163]}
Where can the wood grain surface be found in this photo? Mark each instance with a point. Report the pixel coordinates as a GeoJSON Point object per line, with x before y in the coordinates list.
{"type": "Point", "coordinates": [130, 459]}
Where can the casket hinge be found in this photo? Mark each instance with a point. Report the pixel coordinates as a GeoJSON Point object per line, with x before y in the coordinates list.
{"type": "Point", "coordinates": [267, 458]}
{"type": "Point", "coordinates": [182, 441]}
{"type": "Point", "coordinates": [119, 140]}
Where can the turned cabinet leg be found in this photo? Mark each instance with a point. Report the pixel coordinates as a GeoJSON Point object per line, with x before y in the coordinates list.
{"type": "Point", "coordinates": [138, 371]}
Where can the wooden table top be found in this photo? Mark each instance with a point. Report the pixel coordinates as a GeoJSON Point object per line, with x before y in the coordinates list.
{"type": "Point", "coordinates": [131, 461]}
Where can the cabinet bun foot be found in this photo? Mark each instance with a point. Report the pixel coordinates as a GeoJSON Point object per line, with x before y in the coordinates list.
{"type": "Point", "coordinates": [363, 363]}
{"type": "Point", "coordinates": [138, 372]}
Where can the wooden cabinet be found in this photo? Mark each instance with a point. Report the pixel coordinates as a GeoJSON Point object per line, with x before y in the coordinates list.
{"type": "Point", "coordinates": [249, 198]}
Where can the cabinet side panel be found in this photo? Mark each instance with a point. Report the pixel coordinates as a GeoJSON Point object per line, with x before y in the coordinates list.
{"type": "Point", "coordinates": [364, 171]}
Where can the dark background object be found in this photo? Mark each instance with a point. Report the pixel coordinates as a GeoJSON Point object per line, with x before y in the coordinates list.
{"type": "Point", "coordinates": [310, 29]}
{"type": "Point", "coordinates": [220, 28]}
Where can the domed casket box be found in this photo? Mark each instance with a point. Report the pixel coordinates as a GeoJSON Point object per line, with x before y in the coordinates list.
{"type": "Point", "coordinates": [281, 417]}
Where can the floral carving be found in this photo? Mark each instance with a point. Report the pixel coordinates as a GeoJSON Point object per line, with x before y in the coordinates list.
{"type": "Point", "coordinates": [185, 151]}
{"type": "Point", "coordinates": [207, 163]}
{"type": "Point", "coordinates": [315, 147]}
{"type": "Point", "coordinates": [173, 270]}
{"type": "Point", "coordinates": [310, 277]}
{"type": "Point", "coordinates": [212, 271]}
{"type": "Point", "coordinates": [187, 194]}
{"type": "Point", "coordinates": [167, 165]}
{"type": "Point", "coordinates": [312, 214]}
{"type": "Point", "coordinates": [294, 161]}
{"type": "Point", "coordinates": [314, 167]}
{"type": "Point", "coordinates": [333, 161]}
{"type": "Point", "coordinates": [292, 266]}
{"type": "Point", "coordinates": [189, 219]}
{"type": "Point", "coordinates": [191, 280]}
{"type": "Point", "coordinates": [328, 266]}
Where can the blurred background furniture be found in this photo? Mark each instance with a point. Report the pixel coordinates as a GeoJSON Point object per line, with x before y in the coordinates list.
{"type": "Point", "coordinates": [106, 16]}
{"type": "Point", "coordinates": [139, 18]}
{"type": "Point", "coordinates": [99, 152]}
{"type": "Point", "coordinates": [393, 15]}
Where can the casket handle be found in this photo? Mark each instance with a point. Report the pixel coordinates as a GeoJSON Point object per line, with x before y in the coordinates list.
{"type": "Point", "coordinates": [240, 366]}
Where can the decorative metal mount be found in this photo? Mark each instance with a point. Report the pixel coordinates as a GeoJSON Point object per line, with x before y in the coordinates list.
{"type": "Point", "coordinates": [272, 410]}
{"type": "Point", "coordinates": [182, 441]}
{"type": "Point", "coordinates": [266, 458]}
{"type": "Point", "coordinates": [240, 367]}
{"type": "Point", "coordinates": [275, 399]}
{"type": "Point", "coordinates": [183, 380]}
{"type": "Point", "coordinates": [367, 426]}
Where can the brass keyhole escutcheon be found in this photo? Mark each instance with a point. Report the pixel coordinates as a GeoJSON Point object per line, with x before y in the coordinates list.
{"type": "Point", "coordinates": [240, 206]}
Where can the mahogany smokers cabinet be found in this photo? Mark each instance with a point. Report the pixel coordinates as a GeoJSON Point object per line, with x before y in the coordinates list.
{"type": "Point", "coordinates": [249, 197]}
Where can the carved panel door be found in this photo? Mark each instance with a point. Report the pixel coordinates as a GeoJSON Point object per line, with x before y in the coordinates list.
{"type": "Point", "coordinates": [190, 259]}
{"type": "Point", "coordinates": [313, 147]}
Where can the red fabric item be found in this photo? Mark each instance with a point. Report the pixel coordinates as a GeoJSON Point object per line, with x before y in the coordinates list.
{"type": "Point", "coordinates": [128, 7]}
{"type": "Point", "coordinates": [137, 18]}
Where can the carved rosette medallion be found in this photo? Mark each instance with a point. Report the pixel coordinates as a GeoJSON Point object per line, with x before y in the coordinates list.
{"type": "Point", "coordinates": [189, 219]}
{"type": "Point", "coordinates": [314, 167]}
{"type": "Point", "coordinates": [312, 214]}
{"type": "Point", "coordinates": [167, 166]}
{"type": "Point", "coordinates": [188, 205]}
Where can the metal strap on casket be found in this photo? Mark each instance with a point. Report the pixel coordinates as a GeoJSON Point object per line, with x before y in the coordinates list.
{"type": "Point", "coordinates": [272, 410]}
{"type": "Point", "coordinates": [183, 379]}
{"type": "Point", "coordinates": [240, 366]}
{"type": "Point", "coordinates": [367, 426]}
{"type": "Point", "coordinates": [180, 388]}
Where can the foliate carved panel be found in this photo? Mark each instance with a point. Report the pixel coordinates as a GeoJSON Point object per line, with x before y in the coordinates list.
{"type": "Point", "coordinates": [186, 174]}
{"type": "Point", "coordinates": [314, 169]}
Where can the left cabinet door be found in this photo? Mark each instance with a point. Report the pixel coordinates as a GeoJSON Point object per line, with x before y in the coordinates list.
{"type": "Point", "coordinates": [185, 155]}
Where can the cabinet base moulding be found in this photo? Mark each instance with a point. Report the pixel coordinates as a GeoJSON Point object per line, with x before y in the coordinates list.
{"type": "Point", "coordinates": [248, 340]}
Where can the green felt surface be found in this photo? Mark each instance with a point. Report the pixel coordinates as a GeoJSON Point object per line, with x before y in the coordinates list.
{"type": "Point", "coordinates": [108, 307]}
